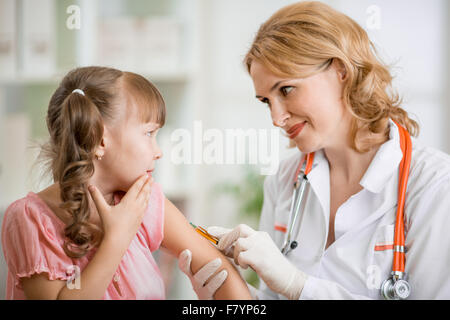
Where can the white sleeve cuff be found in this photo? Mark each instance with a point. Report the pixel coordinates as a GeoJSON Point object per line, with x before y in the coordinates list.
{"type": "Point", "coordinates": [308, 289]}
{"type": "Point", "coordinates": [295, 288]}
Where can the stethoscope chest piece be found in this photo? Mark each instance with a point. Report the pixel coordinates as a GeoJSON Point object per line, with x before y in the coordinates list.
{"type": "Point", "coordinates": [395, 289]}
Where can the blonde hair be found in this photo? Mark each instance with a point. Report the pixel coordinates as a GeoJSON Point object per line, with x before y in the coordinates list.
{"type": "Point", "coordinates": [302, 39]}
{"type": "Point", "coordinates": [75, 123]}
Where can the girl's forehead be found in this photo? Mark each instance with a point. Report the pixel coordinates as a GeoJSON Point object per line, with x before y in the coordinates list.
{"type": "Point", "coordinates": [136, 115]}
{"type": "Point", "coordinates": [128, 109]}
{"type": "Point", "coordinates": [139, 104]}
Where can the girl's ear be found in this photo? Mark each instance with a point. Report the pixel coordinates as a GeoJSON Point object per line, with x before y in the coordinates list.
{"type": "Point", "coordinates": [101, 149]}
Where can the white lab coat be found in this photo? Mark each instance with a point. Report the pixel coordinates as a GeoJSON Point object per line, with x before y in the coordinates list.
{"type": "Point", "coordinates": [351, 268]}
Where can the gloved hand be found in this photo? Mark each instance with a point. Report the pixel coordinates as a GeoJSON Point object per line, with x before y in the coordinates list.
{"type": "Point", "coordinates": [198, 280]}
{"type": "Point", "coordinates": [257, 250]}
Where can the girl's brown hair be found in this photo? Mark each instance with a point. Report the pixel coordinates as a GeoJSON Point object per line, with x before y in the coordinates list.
{"type": "Point", "coordinates": [302, 39]}
{"type": "Point", "coordinates": [75, 124]}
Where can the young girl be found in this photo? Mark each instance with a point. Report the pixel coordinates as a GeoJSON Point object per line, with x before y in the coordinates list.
{"type": "Point", "coordinates": [103, 216]}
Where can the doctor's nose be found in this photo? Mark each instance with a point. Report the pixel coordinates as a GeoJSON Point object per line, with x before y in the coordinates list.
{"type": "Point", "coordinates": [279, 115]}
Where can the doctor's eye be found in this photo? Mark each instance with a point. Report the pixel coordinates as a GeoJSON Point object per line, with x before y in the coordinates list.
{"type": "Point", "coordinates": [265, 101]}
{"type": "Point", "coordinates": [286, 89]}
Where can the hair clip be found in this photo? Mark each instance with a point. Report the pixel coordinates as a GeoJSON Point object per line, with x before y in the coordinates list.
{"type": "Point", "coordinates": [78, 91]}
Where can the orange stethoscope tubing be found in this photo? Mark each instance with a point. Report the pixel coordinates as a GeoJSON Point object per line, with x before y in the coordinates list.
{"type": "Point", "coordinates": [309, 162]}
{"type": "Point", "coordinates": [399, 235]}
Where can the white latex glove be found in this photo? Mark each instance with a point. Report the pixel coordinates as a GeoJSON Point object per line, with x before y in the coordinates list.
{"type": "Point", "coordinates": [219, 233]}
{"type": "Point", "coordinates": [198, 280]}
{"type": "Point", "coordinates": [257, 250]}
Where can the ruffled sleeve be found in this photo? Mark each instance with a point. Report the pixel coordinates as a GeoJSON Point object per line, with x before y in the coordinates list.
{"type": "Point", "coordinates": [31, 242]}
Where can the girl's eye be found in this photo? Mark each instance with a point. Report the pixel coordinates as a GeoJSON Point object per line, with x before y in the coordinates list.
{"type": "Point", "coordinates": [285, 90]}
{"type": "Point", "coordinates": [150, 133]}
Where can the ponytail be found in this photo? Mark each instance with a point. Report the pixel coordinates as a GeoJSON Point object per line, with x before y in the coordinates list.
{"type": "Point", "coordinates": [82, 127]}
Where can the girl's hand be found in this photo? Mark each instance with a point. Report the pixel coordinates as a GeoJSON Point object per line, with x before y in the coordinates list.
{"type": "Point", "coordinates": [203, 282]}
{"type": "Point", "coordinates": [121, 222]}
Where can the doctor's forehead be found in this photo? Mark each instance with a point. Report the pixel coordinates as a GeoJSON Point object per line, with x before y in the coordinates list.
{"type": "Point", "coordinates": [261, 74]}
{"type": "Point", "coordinates": [263, 78]}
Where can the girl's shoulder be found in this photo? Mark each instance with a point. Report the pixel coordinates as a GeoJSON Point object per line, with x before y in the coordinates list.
{"type": "Point", "coordinates": [32, 241]}
{"type": "Point", "coordinates": [32, 211]}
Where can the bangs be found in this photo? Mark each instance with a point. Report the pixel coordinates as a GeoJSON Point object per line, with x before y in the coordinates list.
{"type": "Point", "coordinates": [149, 101]}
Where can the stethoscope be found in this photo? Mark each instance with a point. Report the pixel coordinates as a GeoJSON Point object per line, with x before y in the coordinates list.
{"type": "Point", "coordinates": [395, 287]}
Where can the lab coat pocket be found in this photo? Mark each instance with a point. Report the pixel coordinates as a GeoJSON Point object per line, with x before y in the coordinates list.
{"type": "Point", "coordinates": [383, 252]}
{"type": "Point", "coordinates": [384, 240]}
{"type": "Point", "coordinates": [280, 225]}
{"type": "Point", "coordinates": [279, 230]}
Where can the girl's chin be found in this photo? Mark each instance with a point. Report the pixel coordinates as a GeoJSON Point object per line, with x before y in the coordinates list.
{"type": "Point", "coordinates": [125, 185]}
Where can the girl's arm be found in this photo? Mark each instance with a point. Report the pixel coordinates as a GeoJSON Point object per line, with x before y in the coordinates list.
{"type": "Point", "coordinates": [95, 278]}
{"type": "Point", "coordinates": [180, 235]}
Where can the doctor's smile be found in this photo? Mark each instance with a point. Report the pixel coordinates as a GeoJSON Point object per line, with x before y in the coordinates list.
{"type": "Point", "coordinates": [354, 206]}
{"type": "Point", "coordinates": [295, 130]}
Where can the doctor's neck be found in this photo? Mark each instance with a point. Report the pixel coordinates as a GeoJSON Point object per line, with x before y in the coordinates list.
{"type": "Point", "coordinates": [346, 164]}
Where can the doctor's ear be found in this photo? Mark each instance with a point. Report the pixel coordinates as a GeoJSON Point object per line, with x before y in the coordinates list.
{"type": "Point", "coordinates": [340, 69]}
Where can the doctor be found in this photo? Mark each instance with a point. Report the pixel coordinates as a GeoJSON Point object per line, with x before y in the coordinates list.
{"type": "Point", "coordinates": [316, 71]}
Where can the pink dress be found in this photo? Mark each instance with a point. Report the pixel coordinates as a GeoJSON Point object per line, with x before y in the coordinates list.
{"type": "Point", "coordinates": [32, 240]}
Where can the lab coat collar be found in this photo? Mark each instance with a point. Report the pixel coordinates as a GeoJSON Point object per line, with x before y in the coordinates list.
{"type": "Point", "coordinates": [385, 162]}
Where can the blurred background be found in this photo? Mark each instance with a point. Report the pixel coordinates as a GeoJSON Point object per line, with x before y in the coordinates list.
{"type": "Point", "coordinates": [192, 50]}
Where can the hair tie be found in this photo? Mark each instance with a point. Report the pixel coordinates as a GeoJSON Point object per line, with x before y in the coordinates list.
{"type": "Point", "coordinates": [78, 91]}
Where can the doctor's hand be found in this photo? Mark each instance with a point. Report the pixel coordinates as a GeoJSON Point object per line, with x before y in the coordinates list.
{"type": "Point", "coordinates": [204, 291]}
{"type": "Point", "coordinates": [257, 250]}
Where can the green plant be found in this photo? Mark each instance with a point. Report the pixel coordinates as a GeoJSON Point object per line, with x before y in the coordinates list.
{"type": "Point", "coordinates": [248, 193]}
